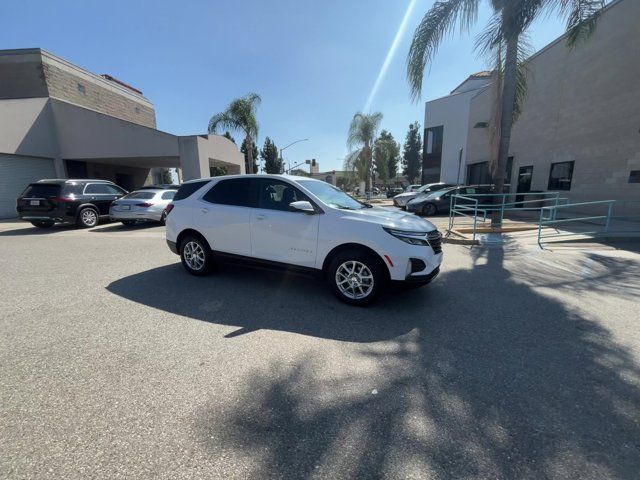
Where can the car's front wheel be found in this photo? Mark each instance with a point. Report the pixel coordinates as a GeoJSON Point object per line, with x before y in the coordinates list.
{"type": "Point", "coordinates": [429, 209]}
{"type": "Point", "coordinates": [356, 277]}
{"type": "Point", "coordinates": [196, 255]}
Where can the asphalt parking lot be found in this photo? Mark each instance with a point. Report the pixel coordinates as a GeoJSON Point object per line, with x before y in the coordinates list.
{"type": "Point", "coordinates": [115, 363]}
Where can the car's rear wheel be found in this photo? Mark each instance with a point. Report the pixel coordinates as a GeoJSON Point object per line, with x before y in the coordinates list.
{"type": "Point", "coordinates": [43, 224]}
{"type": "Point", "coordinates": [87, 217]}
{"type": "Point", "coordinates": [429, 209]}
{"type": "Point", "coordinates": [356, 277]}
{"type": "Point", "coordinates": [163, 218]}
{"type": "Point", "coordinates": [196, 255]}
{"type": "Point", "coordinates": [128, 223]}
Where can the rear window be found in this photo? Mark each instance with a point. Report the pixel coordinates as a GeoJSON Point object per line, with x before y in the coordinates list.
{"type": "Point", "coordinates": [168, 195]}
{"type": "Point", "coordinates": [141, 195]}
{"type": "Point", "coordinates": [42, 190]}
{"type": "Point", "coordinates": [187, 189]}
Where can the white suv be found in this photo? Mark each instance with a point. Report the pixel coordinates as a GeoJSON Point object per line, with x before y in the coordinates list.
{"type": "Point", "coordinates": [301, 223]}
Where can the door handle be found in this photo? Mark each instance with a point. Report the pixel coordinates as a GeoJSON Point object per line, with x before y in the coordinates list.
{"type": "Point", "coordinates": [260, 217]}
{"type": "Point", "coordinates": [204, 210]}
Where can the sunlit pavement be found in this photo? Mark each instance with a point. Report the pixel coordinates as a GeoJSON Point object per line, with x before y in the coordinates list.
{"type": "Point", "coordinates": [514, 363]}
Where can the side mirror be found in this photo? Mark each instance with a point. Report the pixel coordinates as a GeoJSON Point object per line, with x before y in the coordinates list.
{"type": "Point", "coordinates": [302, 206]}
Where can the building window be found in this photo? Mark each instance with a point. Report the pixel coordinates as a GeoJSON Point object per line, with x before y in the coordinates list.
{"type": "Point", "coordinates": [560, 176]}
{"type": "Point", "coordinates": [432, 153]}
{"type": "Point", "coordinates": [81, 88]}
{"type": "Point", "coordinates": [480, 174]}
{"type": "Point", "coordinates": [634, 176]}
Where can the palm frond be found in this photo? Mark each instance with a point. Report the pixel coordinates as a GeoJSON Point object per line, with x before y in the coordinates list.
{"type": "Point", "coordinates": [582, 18]}
{"type": "Point", "coordinates": [438, 22]}
{"type": "Point", "coordinates": [363, 129]}
{"type": "Point", "coordinates": [239, 115]}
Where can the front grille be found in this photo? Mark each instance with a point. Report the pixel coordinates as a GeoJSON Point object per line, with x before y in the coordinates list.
{"type": "Point", "coordinates": [435, 240]}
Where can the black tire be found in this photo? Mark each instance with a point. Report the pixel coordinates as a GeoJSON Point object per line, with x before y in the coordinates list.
{"type": "Point", "coordinates": [163, 218]}
{"type": "Point", "coordinates": [360, 285]}
{"type": "Point", "coordinates": [44, 224]}
{"type": "Point", "coordinates": [429, 209]}
{"type": "Point", "coordinates": [128, 223]}
{"type": "Point", "coordinates": [87, 217]}
{"type": "Point", "coordinates": [198, 247]}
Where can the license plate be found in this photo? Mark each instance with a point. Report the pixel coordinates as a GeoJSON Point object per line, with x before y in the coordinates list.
{"type": "Point", "coordinates": [126, 207]}
{"type": "Point", "coordinates": [34, 202]}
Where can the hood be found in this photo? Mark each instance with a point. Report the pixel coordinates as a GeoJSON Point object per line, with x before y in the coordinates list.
{"type": "Point", "coordinates": [406, 194]}
{"type": "Point", "coordinates": [392, 218]}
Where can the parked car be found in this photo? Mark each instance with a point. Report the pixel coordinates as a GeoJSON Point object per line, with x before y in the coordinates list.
{"type": "Point", "coordinates": [144, 204]}
{"type": "Point", "coordinates": [301, 223]}
{"type": "Point", "coordinates": [392, 192]}
{"type": "Point", "coordinates": [440, 201]}
{"type": "Point", "coordinates": [402, 199]}
{"type": "Point", "coordinates": [162, 186]}
{"type": "Point", "coordinates": [83, 202]}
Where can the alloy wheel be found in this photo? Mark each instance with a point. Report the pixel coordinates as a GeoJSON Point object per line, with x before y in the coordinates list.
{"type": "Point", "coordinates": [354, 279]}
{"type": "Point", "coordinates": [89, 217]}
{"type": "Point", "coordinates": [194, 255]}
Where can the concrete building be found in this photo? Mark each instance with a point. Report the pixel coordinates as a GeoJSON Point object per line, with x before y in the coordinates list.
{"type": "Point", "coordinates": [58, 120]}
{"type": "Point", "coordinates": [579, 131]}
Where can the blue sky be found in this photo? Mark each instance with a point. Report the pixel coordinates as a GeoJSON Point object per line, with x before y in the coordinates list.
{"type": "Point", "coordinates": [314, 63]}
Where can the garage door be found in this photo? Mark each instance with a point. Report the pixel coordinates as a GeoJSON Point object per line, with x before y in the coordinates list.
{"type": "Point", "coordinates": [16, 173]}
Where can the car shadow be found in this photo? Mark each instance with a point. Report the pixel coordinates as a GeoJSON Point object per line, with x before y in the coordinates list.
{"type": "Point", "coordinates": [119, 227]}
{"type": "Point", "coordinates": [252, 298]}
{"type": "Point", "coordinates": [28, 230]}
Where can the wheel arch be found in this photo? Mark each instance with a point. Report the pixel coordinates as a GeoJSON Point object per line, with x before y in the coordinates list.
{"type": "Point", "coordinates": [190, 231]}
{"type": "Point", "coordinates": [354, 246]}
{"type": "Point", "coordinates": [82, 206]}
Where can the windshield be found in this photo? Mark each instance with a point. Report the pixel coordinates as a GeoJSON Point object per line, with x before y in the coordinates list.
{"type": "Point", "coordinates": [332, 196]}
{"type": "Point", "coordinates": [424, 188]}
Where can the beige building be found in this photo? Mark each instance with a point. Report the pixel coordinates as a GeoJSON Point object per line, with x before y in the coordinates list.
{"type": "Point", "coordinates": [579, 131]}
{"type": "Point", "coordinates": [58, 120]}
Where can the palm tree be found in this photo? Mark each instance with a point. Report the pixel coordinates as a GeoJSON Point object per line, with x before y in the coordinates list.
{"type": "Point", "coordinates": [240, 115]}
{"type": "Point", "coordinates": [362, 136]}
{"type": "Point", "coordinates": [506, 32]}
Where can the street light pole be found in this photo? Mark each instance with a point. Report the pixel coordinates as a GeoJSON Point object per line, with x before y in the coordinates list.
{"type": "Point", "coordinates": [282, 149]}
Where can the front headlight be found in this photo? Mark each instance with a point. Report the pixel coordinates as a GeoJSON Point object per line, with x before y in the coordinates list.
{"type": "Point", "coordinates": [412, 238]}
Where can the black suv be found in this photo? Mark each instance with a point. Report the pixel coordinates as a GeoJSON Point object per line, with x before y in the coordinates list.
{"type": "Point", "coordinates": [82, 202]}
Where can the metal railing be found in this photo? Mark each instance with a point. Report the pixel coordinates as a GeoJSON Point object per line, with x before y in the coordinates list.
{"type": "Point", "coordinates": [469, 206]}
{"type": "Point", "coordinates": [598, 225]}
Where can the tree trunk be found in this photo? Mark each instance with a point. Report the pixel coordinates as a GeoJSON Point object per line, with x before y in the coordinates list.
{"type": "Point", "coordinates": [249, 144]}
{"type": "Point", "coordinates": [368, 164]}
{"type": "Point", "coordinates": [506, 123]}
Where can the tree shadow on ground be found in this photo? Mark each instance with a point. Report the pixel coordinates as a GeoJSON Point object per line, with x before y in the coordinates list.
{"type": "Point", "coordinates": [495, 381]}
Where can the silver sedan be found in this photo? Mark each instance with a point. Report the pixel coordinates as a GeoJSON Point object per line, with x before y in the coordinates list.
{"type": "Point", "coordinates": [147, 204]}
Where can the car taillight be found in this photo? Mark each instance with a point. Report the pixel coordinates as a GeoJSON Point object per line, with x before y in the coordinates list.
{"type": "Point", "coordinates": [168, 209]}
{"type": "Point", "coordinates": [145, 204]}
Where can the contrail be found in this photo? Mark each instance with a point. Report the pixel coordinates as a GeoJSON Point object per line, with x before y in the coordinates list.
{"type": "Point", "coordinates": [390, 55]}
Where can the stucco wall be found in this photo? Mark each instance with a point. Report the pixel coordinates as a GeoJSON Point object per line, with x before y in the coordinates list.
{"type": "Point", "coordinates": [21, 75]}
{"type": "Point", "coordinates": [452, 112]}
{"type": "Point", "coordinates": [583, 105]}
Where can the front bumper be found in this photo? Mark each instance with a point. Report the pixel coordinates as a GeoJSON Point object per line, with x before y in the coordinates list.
{"type": "Point", "coordinates": [423, 279]}
{"type": "Point", "coordinates": [414, 207]}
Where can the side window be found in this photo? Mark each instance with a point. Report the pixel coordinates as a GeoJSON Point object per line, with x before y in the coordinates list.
{"type": "Point", "coordinates": [96, 189]}
{"type": "Point", "coordinates": [168, 195]}
{"type": "Point", "coordinates": [277, 195]}
{"type": "Point", "coordinates": [235, 191]}
{"type": "Point", "coordinates": [113, 190]}
{"type": "Point", "coordinates": [470, 191]}
{"type": "Point", "coordinates": [186, 189]}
